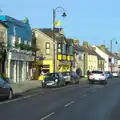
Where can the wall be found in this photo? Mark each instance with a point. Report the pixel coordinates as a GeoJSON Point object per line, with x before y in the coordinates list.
{"type": "Point", "coordinates": [92, 62]}
{"type": "Point", "coordinates": [104, 56]}
{"type": "Point", "coordinates": [41, 40]}
{"type": "Point", "coordinates": [17, 27]}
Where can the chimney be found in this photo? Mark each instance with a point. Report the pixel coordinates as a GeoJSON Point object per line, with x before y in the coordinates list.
{"type": "Point", "coordinates": [103, 46]}
{"type": "Point", "coordinates": [85, 44]}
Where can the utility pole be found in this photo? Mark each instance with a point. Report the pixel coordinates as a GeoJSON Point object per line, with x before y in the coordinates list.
{"type": "Point", "coordinates": [111, 46]}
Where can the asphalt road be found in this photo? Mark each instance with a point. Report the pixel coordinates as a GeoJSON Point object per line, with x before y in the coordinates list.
{"type": "Point", "coordinates": [73, 102]}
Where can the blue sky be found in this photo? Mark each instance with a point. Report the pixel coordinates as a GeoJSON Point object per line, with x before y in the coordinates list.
{"type": "Point", "coordinates": [94, 21]}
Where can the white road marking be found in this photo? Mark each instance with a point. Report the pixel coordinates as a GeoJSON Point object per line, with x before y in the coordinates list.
{"type": "Point", "coordinates": [81, 97]}
{"type": "Point", "coordinates": [93, 90]}
{"type": "Point", "coordinates": [42, 92]}
{"type": "Point", "coordinates": [8, 101]}
{"type": "Point", "coordinates": [69, 104]}
{"type": "Point", "coordinates": [47, 116]}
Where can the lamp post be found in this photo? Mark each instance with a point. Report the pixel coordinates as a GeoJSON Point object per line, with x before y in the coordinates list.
{"type": "Point", "coordinates": [54, 41]}
{"type": "Point", "coordinates": [111, 45]}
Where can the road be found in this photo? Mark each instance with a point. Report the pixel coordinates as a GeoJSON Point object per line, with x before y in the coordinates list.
{"type": "Point", "coordinates": [73, 102]}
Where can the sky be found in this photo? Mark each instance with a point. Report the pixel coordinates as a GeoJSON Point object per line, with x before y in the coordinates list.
{"type": "Point", "coordinates": [95, 21]}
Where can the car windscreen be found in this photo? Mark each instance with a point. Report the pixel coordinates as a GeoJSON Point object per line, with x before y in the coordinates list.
{"type": "Point", "coordinates": [51, 75]}
{"type": "Point", "coordinates": [97, 72]}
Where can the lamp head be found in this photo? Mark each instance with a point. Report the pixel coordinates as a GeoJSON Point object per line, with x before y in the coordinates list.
{"type": "Point", "coordinates": [64, 15]}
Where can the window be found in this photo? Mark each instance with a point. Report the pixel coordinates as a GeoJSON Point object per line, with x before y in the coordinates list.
{"type": "Point", "coordinates": [59, 48]}
{"type": "Point", "coordinates": [1, 36]}
{"type": "Point", "coordinates": [47, 51]}
{"type": "Point", "coordinates": [47, 46]}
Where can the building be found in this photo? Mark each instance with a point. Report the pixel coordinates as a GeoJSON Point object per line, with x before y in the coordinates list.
{"type": "Point", "coordinates": [19, 52]}
{"type": "Point", "coordinates": [44, 56]}
{"type": "Point", "coordinates": [79, 58]}
{"type": "Point", "coordinates": [63, 49]}
{"type": "Point", "coordinates": [110, 59]}
{"type": "Point", "coordinates": [3, 46]}
{"type": "Point", "coordinates": [90, 58]}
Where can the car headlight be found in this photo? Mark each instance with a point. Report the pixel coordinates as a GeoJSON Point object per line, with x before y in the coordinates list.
{"type": "Point", "coordinates": [43, 81]}
{"type": "Point", "coordinates": [56, 80]}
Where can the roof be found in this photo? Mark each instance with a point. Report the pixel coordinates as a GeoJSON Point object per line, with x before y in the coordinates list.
{"type": "Point", "coordinates": [3, 24]}
{"type": "Point", "coordinates": [106, 51]}
{"type": "Point", "coordinates": [91, 51]}
{"type": "Point", "coordinates": [69, 40]}
{"type": "Point", "coordinates": [49, 31]}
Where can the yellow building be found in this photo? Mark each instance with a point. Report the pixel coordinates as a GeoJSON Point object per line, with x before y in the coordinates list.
{"type": "Point", "coordinates": [65, 54]}
{"type": "Point", "coordinates": [44, 56]}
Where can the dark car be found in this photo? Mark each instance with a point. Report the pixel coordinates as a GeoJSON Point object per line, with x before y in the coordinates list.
{"type": "Point", "coordinates": [67, 76]}
{"type": "Point", "coordinates": [54, 80]}
{"type": "Point", "coordinates": [5, 89]}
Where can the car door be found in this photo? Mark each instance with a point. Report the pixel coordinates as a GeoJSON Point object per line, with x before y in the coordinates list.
{"type": "Point", "coordinates": [3, 90]}
{"type": "Point", "coordinates": [61, 78]}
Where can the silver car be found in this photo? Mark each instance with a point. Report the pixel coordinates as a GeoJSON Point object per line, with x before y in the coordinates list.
{"type": "Point", "coordinates": [5, 89]}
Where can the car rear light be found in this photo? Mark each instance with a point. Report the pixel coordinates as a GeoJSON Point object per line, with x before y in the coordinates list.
{"type": "Point", "coordinates": [102, 74]}
{"type": "Point", "coordinates": [91, 74]}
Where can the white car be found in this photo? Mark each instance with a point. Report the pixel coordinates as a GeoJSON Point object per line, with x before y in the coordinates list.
{"type": "Point", "coordinates": [97, 76]}
{"type": "Point", "coordinates": [115, 74]}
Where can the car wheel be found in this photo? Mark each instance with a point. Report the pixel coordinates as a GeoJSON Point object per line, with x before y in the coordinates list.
{"type": "Point", "coordinates": [91, 82]}
{"type": "Point", "coordinates": [105, 82]}
{"type": "Point", "coordinates": [64, 84]}
{"type": "Point", "coordinates": [10, 96]}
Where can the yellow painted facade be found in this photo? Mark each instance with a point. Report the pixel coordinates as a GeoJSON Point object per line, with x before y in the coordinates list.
{"type": "Point", "coordinates": [46, 62]}
{"type": "Point", "coordinates": [92, 62]}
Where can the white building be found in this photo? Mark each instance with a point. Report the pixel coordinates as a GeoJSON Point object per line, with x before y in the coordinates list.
{"type": "Point", "coordinates": [104, 55]}
{"type": "Point", "coordinates": [19, 66]}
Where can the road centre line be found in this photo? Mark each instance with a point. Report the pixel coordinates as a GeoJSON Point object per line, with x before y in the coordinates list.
{"type": "Point", "coordinates": [93, 90]}
{"type": "Point", "coordinates": [47, 116]}
{"type": "Point", "coordinates": [68, 104]}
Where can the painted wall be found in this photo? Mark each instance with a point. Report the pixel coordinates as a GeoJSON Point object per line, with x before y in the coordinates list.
{"type": "Point", "coordinates": [92, 62]}
{"type": "Point", "coordinates": [21, 29]}
{"type": "Point", "coordinates": [104, 56]}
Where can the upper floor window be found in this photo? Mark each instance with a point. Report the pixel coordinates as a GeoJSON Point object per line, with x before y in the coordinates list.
{"type": "Point", "coordinates": [59, 48]}
{"type": "Point", "coordinates": [1, 36]}
{"type": "Point", "coordinates": [47, 47]}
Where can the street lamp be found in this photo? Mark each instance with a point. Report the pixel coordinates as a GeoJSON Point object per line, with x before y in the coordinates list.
{"type": "Point", "coordinates": [54, 41]}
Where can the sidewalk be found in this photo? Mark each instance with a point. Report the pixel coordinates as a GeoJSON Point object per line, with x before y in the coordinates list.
{"type": "Point", "coordinates": [83, 80]}
{"type": "Point", "coordinates": [33, 84]}
{"type": "Point", "coordinates": [25, 86]}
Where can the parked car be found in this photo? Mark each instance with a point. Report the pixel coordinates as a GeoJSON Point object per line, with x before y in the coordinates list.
{"type": "Point", "coordinates": [115, 74]}
{"type": "Point", "coordinates": [109, 74]}
{"type": "Point", "coordinates": [5, 89]}
{"type": "Point", "coordinates": [54, 80]}
{"type": "Point", "coordinates": [67, 76]}
{"type": "Point", "coordinates": [98, 76]}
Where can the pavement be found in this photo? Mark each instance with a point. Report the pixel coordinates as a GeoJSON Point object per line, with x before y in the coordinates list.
{"type": "Point", "coordinates": [73, 102]}
{"type": "Point", "coordinates": [25, 86]}
{"type": "Point", "coordinates": [32, 84]}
